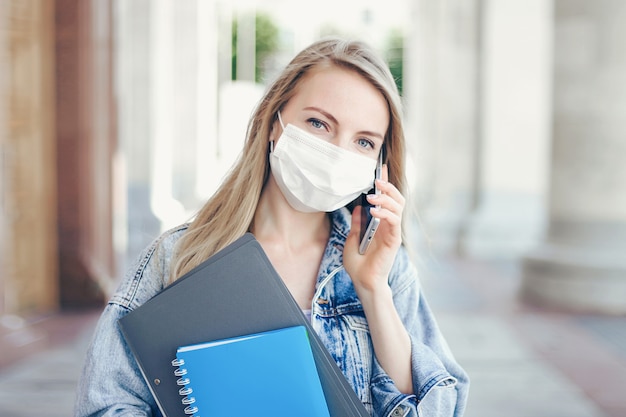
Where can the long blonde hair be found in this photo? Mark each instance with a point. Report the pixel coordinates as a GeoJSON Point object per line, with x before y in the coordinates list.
{"type": "Point", "coordinates": [229, 213]}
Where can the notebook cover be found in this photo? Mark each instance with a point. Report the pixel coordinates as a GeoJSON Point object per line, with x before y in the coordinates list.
{"type": "Point", "coordinates": [235, 292]}
{"type": "Point", "coordinates": [265, 374]}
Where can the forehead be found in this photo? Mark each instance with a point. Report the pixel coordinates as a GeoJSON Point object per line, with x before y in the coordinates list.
{"type": "Point", "coordinates": [344, 93]}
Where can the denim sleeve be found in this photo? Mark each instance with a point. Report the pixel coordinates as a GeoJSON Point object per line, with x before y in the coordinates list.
{"type": "Point", "coordinates": [111, 383]}
{"type": "Point", "coordinates": [440, 385]}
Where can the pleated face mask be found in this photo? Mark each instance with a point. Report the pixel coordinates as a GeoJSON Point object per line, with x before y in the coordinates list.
{"type": "Point", "coordinates": [315, 175]}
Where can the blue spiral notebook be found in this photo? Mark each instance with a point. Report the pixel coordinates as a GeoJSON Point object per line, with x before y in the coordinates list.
{"type": "Point", "coordinates": [263, 374]}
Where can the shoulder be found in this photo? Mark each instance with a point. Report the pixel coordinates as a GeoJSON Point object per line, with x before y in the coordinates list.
{"type": "Point", "coordinates": [149, 274]}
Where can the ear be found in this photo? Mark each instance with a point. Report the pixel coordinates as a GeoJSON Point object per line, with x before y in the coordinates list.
{"type": "Point", "coordinates": [274, 130]}
{"type": "Point", "coordinates": [272, 135]}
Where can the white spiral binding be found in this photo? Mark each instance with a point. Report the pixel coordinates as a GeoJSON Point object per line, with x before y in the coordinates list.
{"type": "Point", "coordinates": [185, 391]}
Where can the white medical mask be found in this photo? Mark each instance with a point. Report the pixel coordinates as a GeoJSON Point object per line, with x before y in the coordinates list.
{"type": "Point", "coordinates": [315, 175]}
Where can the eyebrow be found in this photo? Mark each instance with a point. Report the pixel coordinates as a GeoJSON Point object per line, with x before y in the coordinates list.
{"type": "Point", "coordinates": [332, 119]}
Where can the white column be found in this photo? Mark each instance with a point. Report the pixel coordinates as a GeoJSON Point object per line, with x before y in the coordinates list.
{"type": "Point", "coordinates": [237, 99]}
{"type": "Point", "coordinates": [183, 109]}
{"type": "Point", "coordinates": [581, 264]}
{"type": "Point", "coordinates": [516, 90]}
{"type": "Point", "coordinates": [246, 43]}
{"type": "Point", "coordinates": [208, 61]}
{"type": "Point", "coordinates": [135, 224]}
{"type": "Point", "coordinates": [163, 104]}
{"type": "Point", "coordinates": [441, 114]}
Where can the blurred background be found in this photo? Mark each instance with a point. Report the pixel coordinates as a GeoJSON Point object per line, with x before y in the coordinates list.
{"type": "Point", "coordinates": [119, 118]}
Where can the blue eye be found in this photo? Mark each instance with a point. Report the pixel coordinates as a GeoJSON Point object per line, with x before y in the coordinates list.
{"type": "Point", "coordinates": [316, 123]}
{"type": "Point", "coordinates": [365, 143]}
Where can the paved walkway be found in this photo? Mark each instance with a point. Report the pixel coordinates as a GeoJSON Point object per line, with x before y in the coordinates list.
{"type": "Point", "coordinates": [524, 362]}
{"type": "Point", "coordinates": [44, 383]}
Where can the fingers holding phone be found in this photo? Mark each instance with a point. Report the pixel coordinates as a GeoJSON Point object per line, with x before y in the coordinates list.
{"type": "Point", "coordinates": [369, 254]}
{"type": "Point", "coordinates": [369, 224]}
{"type": "Point", "coordinates": [383, 202]}
{"type": "Point", "coordinates": [390, 203]}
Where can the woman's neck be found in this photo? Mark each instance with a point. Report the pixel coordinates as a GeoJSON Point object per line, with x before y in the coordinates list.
{"type": "Point", "coordinates": [277, 222]}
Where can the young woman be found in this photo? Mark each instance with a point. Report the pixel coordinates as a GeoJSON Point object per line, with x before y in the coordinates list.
{"type": "Point", "coordinates": [311, 149]}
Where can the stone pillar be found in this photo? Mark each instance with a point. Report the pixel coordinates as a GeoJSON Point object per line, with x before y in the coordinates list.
{"type": "Point", "coordinates": [86, 137]}
{"type": "Point", "coordinates": [163, 88]}
{"type": "Point", "coordinates": [187, 41]}
{"type": "Point", "coordinates": [246, 41]}
{"type": "Point", "coordinates": [167, 68]}
{"type": "Point", "coordinates": [210, 68]}
{"type": "Point", "coordinates": [28, 248]}
{"type": "Point", "coordinates": [440, 92]}
{"type": "Point", "coordinates": [581, 263]}
{"type": "Point", "coordinates": [512, 161]}
{"type": "Point", "coordinates": [136, 221]}
{"type": "Point", "coordinates": [5, 85]}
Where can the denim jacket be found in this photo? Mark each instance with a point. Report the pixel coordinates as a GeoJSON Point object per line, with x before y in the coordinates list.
{"type": "Point", "coordinates": [112, 384]}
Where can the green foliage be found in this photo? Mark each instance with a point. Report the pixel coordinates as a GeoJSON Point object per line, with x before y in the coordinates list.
{"type": "Point", "coordinates": [395, 56]}
{"type": "Point", "coordinates": [266, 34]}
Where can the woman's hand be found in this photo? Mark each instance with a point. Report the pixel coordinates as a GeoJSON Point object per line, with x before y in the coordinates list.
{"type": "Point", "coordinates": [369, 272]}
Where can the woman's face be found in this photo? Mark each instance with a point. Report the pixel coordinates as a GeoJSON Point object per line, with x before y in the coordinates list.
{"type": "Point", "coordinates": [340, 106]}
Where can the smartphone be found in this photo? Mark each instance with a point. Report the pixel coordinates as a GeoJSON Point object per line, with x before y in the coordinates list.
{"type": "Point", "coordinates": [369, 224]}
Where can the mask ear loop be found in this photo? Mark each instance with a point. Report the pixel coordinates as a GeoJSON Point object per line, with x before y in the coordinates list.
{"type": "Point", "coordinates": [280, 120]}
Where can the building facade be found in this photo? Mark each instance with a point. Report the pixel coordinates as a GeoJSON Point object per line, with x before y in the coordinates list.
{"type": "Point", "coordinates": [515, 128]}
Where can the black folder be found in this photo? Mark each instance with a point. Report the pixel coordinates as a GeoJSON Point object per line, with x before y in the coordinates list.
{"type": "Point", "coordinates": [235, 292]}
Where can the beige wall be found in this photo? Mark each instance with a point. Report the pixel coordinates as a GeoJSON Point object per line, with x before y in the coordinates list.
{"type": "Point", "coordinates": [29, 270]}
{"type": "Point", "coordinates": [57, 134]}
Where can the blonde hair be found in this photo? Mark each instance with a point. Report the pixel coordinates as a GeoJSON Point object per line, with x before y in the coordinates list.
{"type": "Point", "coordinates": [229, 213]}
